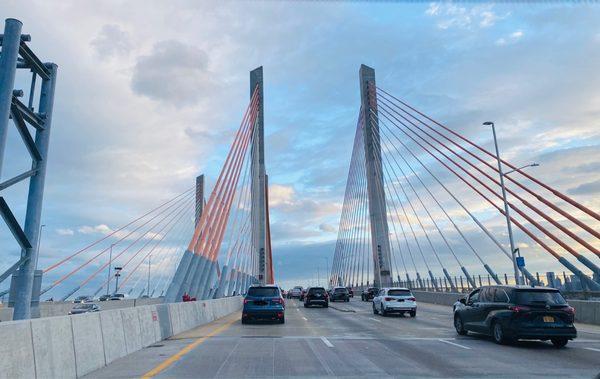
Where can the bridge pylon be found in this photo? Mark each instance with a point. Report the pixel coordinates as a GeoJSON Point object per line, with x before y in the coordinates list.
{"type": "Point", "coordinates": [380, 242]}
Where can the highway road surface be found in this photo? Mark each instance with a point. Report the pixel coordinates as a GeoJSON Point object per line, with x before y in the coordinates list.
{"type": "Point", "coordinates": [348, 340]}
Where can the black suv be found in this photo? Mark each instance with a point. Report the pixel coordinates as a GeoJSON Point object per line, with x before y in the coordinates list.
{"type": "Point", "coordinates": [369, 294]}
{"type": "Point", "coordinates": [509, 313]}
{"type": "Point", "coordinates": [316, 296]}
{"type": "Point", "coordinates": [340, 293]}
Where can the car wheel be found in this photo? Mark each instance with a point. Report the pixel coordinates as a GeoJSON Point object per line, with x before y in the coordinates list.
{"type": "Point", "coordinates": [305, 305]}
{"type": "Point", "coordinates": [559, 342]}
{"type": "Point", "coordinates": [498, 334]}
{"type": "Point", "coordinates": [282, 321]}
{"type": "Point", "coordinates": [244, 320]}
{"type": "Point", "coordinates": [326, 306]}
{"type": "Point", "coordinates": [413, 313]}
{"type": "Point", "coordinates": [375, 311]}
{"type": "Point", "coordinates": [383, 311]}
{"type": "Point", "coordinates": [460, 326]}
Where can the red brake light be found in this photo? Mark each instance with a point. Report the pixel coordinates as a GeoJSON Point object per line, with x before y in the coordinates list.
{"type": "Point", "coordinates": [519, 308]}
{"type": "Point", "coordinates": [570, 310]}
{"type": "Point", "coordinates": [411, 299]}
{"type": "Point", "coordinates": [388, 299]}
{"type": "Point", "coordinates": [246, 301]}
{"type": "Point", "coordinates": [278, 301]}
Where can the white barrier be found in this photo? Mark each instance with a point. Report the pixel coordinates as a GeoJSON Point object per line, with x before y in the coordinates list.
{"type": "Point", "coordinates": [72, 346]}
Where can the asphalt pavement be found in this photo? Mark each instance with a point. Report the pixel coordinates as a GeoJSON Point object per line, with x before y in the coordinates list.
{"type": "Point", "coordinates": [348, 340]}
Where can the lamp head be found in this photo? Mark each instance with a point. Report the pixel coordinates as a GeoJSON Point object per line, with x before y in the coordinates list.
{"type": "Point", "coordinates": [488, 123]}
{"type": "Point", "coordinates": [535, 164]}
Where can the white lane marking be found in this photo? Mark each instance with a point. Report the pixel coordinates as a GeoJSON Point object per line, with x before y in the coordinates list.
{"type": "Point", "coordinates": [592, 349]}
{"type": "Point", "coordinates": [454, 344]}
{"type": "Point", "coordinates": [374, 319]}
{"type": "Point", "coordinates": [305, 319]}
{"type": "Point", "coordinates": [298, 309]}
{"type": "Point", "coordinates": [326, 342]}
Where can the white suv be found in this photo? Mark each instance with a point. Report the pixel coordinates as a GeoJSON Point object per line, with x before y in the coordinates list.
{"type": "Point", "coordinates": [395, 300]}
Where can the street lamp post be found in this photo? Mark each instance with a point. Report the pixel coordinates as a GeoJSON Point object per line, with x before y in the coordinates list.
{"type": "Point", "coordinates": [40, 237]}
{"type": "Point", "coordinates": [506, 207]}
{"type": "Point", "coordinates": [148, 286]}
{"type": "Point", "coordinates": [117, 275]}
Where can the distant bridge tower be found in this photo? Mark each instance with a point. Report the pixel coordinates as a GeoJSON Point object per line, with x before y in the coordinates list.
{"type": "Point", "coordinates": [258, 185]}
{"type": "Point", "coordinates": [382, 275]}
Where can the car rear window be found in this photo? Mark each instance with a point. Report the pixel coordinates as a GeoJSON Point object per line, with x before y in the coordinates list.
{"type": "Point", "coordinates": [540, 297]}
{"type": "Point", "coordinates": [399, 293]}
{"type": "Point", "coordinates": [263, 292]}
{"type": "Point", "coordinates": [315, 291]}
{"type": "Point", "coordinates": [341, 290]}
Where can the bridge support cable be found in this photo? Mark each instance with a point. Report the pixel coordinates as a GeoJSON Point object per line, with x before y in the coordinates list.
{"type": "Point", "coordinates": [390, 116]}
{"type": "Point", "coordinates": [513, 193]}
{"type": "Point", "coordinates": [199, 259]}
{"type": "Point", "coordinates": [581, 258]}
{"type": "Point", "coordinates": [406, 179]}
{"type": "Point", "coordinates": [339, 268]}
{"type": "Point", "coordinates": [165, 221]}
{"type": "Point", "coordinates": [409, 223]}
{"type": "Point", "coordinates": [465, 209]}
{"type": "Point", "coordinates": [164, 212]}
{"type": "Point", "coordinates": [398, 181]}
{"type": "Point", "coordinates": [555, 192]}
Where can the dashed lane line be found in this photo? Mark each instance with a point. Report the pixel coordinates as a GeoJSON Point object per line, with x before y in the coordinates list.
{"type": "Point", "coordinates": [454, 344]}
{"type": "Point", "coordinates": [374, 319]}
{"type": "Point", "coordinates": [326, 342]}
{"type": "Point", "coordinates": [305, 319]}
{"type": "Point", "coordinates": [592, 349]}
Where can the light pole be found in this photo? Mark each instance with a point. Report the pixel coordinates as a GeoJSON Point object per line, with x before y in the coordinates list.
{"type": "Point", "coordinates": [148, 286]}
{"type": "Point", "coordinates": [117, 275]}
{"type": "Point", "coordinates": [506, 208]}
{"type": "Point", "coordinates": [327, 272]}
{"type": "Point", "coordinates": [109, 267]}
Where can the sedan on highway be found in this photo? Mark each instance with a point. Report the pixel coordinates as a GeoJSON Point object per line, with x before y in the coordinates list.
{"type": "Point", "coordinates": [369, 293]}
{"type": "Point", "coordinates": [340, 293]}
{"type": "Point", "coordinates": [295, 292]}
{"type": "Point", "coordinates": [263, 303]}
{"type": "Point", "coordinates": [84, 308]}
{"type": "Point", "coordinates": [395, 300]}
{"type": "Point", "coordinates": [509, 313]}
{"type": "Point", "coordinates": [316, 296]}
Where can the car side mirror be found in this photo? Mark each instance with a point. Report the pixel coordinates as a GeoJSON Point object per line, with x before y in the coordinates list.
{"type": "Point", "coordinates": [462, 300]}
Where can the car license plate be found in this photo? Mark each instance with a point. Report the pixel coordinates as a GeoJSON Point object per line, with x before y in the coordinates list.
{"type": "Point", "coordinates": [400, 300]}
{"type": "Point", "coordinates": [548, 319]}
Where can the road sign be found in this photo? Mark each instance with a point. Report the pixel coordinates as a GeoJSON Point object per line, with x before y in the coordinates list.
{"type": "Point", "coordinates": [521, 261]}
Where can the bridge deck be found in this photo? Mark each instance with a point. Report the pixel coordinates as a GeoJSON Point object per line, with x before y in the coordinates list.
{"type": "Point", "coordinates": [350, 341]}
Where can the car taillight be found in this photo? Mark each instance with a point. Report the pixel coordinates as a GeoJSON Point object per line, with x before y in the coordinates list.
{"type": "Point", "coordinates": [278, 301]}
{"type": "Point", "coordinates": [246, 301]}
{"type": "Point", "coordinates": [411, 299]}
{"type": "Point", "coordinates": [519, 308]}
{"type": "Point", "coordinates": [388, 299]}
{"type": "Point", "coordinates": [570, 310]}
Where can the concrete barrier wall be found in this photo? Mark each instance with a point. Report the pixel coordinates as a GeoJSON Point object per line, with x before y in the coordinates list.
{"type": "Point", "coordinates": [62, 308]}
{"type": "Point", "coordinates": [72, 346]}
{"type": "Point", "coordinates": [586, 311]}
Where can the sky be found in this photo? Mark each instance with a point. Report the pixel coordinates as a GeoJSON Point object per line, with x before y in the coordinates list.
{"type": "Point", "coordinates": [150, 94]}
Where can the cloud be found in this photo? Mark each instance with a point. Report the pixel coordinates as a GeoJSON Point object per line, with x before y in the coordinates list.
{"type": "Point", "coordinates": [454, 16]}
{"type": "Point", "coordinates": [511, 38]}
{"type": "Point", "coordinates": [173, 72]}
{"type": "Point", "coordinates": [111, 41]}
{"type": "Point", "coordinates": [65, 232]}
{"type": "Point", "coordinates": [102, 229]}
{"type": "Point", "coordinates": [589, 188]}
{"type": "Point", "coordinates": [328, 228]}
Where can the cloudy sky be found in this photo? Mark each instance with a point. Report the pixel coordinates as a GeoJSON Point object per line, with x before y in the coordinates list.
{"type": "Point", "coordinates": [150, 93]}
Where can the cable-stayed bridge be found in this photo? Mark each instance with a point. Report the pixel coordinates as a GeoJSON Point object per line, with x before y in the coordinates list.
{"type": "Point", "coordinates": [412, 206]}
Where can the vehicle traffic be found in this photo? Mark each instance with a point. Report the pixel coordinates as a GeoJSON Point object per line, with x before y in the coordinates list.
{"type": "Point", "coordinates": [369, 293]}
{"type": "Point", "coordinates": [510, 313]}
{"type": "Point", "coordinates": [82, 299]}
{"type": "Point", "coordinates": [295, 293]}
{"type": "Point", "coordinates": [395, 300]}
{"type": "Point", "coordinates": [316, 296]}
{"type": "Point", "coordinates": [84, 308]}
{"type": "Point", "coordinates": [117, 296]}
{"type": "Point", "coordinates": [340, 293]}
{"type": "Point", "coordinates": [263, 303]}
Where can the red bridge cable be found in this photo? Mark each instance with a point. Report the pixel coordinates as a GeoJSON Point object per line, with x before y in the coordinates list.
{"type": "Point", "coordinates": [528, 190]}
{"type": "Point", "coordinates": [52, 267]}
{"type": "Point", "coordinates": [64, 277]}
{"type": "Point", "coordinates": [529, 205]}
{"type": "Point", "coordinates": [203, 218]}
{"type": "Point", "coordinates": [574, 253]}
{"type": "Point", "coordinates": [552, 190]}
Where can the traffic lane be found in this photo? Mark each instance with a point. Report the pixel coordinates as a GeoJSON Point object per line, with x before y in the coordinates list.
{"type": "Point", "coordinates": [582, 351]}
